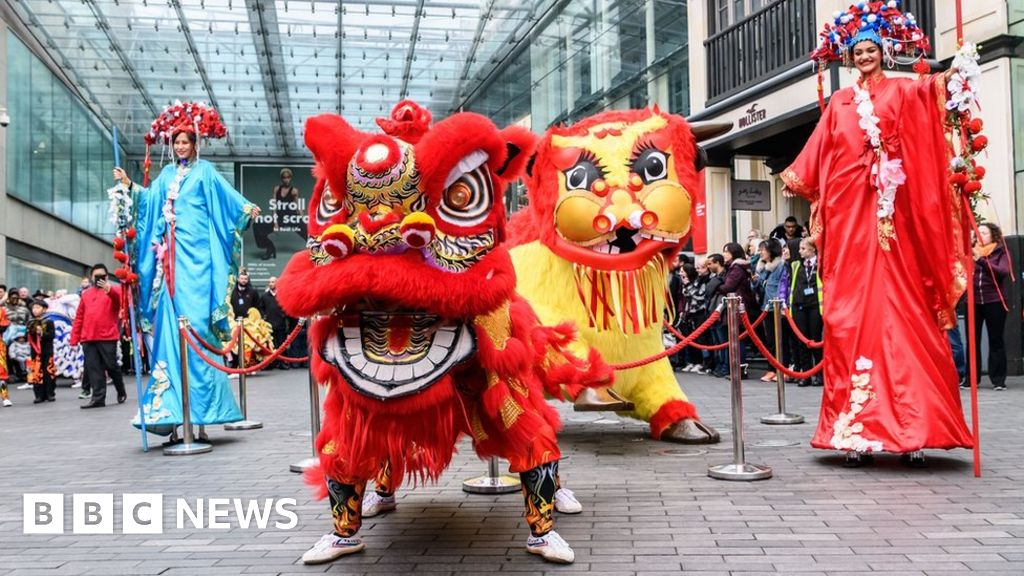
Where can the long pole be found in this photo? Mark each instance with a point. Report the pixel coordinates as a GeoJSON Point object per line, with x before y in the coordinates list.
{"type": "Point", "coordinates": [137, 345]}
{"type": "Point", "coordinates": [959, 22]}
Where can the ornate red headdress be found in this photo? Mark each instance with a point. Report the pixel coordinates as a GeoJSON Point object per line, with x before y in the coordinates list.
{"type": "Point", "coordinates": [191, 117]}
{"type": "Point", "coordinates": [194, 117]}
{"type": "Point", "coordinates": [895, 32]}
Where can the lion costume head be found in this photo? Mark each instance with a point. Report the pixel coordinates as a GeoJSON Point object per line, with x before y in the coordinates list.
{"type": "Point", "coordinates": [421, 335]}
{"type": "Point", "coordinates": [616, 194]}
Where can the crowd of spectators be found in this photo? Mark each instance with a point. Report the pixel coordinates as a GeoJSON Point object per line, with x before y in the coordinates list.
{"type": "Point", "coordinates": [784, 265]}
{"type": "Point", "coordinates": [92, 322]}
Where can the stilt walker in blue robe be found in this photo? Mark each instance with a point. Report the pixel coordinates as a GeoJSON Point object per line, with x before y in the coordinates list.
{"type": "Point", "coordinates": [187, 249]}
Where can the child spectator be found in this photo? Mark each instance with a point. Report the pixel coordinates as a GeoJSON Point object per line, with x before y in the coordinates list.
{"type": "Point", "coordinates": [42, 372]}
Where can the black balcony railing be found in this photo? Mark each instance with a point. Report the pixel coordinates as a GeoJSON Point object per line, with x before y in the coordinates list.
{"type": "Point", "coordinates": [771, 40]}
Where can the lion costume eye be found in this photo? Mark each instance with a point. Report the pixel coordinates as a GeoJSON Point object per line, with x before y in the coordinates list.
{"type": "Point", "coordinates": [583, 174]}
{"type": "Point", "coordinates": [651, 165]}
{"type": "Point", "coordinates": [329, 207]}
{"type": "Point", "coordinates": [468, 195]}
{"type": "Point", "coordinates": [468, 201]}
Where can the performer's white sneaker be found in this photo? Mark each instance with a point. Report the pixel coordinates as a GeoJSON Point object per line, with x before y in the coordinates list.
{"type": "Point", "coordinates": [566, 502]}
{"type": "Point", "coordinates": [24, 386]}
{"type": "Point", "coordinates": [374, 504]}
{"type": "Point", "coordinates": [331, 547]}
{"type": "Point", "coordinates": [551, 547]}
{"type": "Point", "coordinates": [8, 403]}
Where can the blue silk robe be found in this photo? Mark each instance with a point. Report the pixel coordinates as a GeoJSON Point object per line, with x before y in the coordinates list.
{"type": "Point", "coordinates": [210, 217]}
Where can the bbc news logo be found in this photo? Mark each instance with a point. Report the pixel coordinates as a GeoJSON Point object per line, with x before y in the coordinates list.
{"type": "Point", "coordinates": [144, 513]}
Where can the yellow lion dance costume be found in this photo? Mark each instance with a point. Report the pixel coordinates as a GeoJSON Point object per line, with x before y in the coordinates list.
{"type": "Point", "coordinates": [611, 200]}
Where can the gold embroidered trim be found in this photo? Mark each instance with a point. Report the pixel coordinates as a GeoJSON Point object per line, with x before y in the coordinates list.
{"type": "Point", "coordinates": [510, 412]}
{"type": "Point", "coordinates": [477, 427]}
{"type": "Point", "coordinates": [886, 232]}
{"type": "Point", "coordinates": [497, 324]}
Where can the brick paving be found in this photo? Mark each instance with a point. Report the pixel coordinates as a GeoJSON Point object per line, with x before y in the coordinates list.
{"type": "Point", "coordinates": [650, 508]}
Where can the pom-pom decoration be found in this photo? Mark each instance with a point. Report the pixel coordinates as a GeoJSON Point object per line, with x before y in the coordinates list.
{"type": "Point", "coordinates": [337, 240]}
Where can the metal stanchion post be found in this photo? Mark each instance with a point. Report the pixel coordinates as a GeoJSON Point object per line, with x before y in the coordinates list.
{"type": "Point", "coordinates": [244, 423]}
{"type": "Point", "coordinates": [782, 417]}
{"type": "Point", "coordinates": [739, 469]}
{"type": "Point", "coordinates": [189, 446]}
{"type": "Point", "coordinates": [314, 419]}
{"type": "Point", "coordinates": [493, 482]}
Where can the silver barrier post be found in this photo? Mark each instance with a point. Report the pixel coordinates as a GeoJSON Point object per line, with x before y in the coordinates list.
{"type": "Point", "coordinates": [314, 419]}
{"type": "Point", "coordinates": [244, 423]}
{"type": "Point", "coordinates": [494, 482]}
{"type": "Point", "coordinates": [782, 417]}
{"type": "Point", "coordinates": [189, 446]}
{"type": "Point", "coordinates": [739, 469]}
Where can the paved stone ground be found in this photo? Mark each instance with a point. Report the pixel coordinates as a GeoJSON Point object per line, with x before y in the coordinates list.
{"type": "Point", "coordinates": [650, 507]}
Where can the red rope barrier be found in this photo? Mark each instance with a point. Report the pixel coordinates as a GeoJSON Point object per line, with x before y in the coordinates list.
{"type": "Point", "coordinates": [714, 347]}
{"type": "Point", "coordinates": [670, 351]}
{"type": "Point", "coordinates": [248, 370]}
{"type": "Point", "coordinates": [771, 359]}
{"type": "Point", "coordinates": [218, 351]}
{"type": "Point", "coordinates": [266, 350]}
{"type": "Point", "coordinates": [800, 335]}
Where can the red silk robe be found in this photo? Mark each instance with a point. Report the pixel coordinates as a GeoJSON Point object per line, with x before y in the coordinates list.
{"type": "Point", "coordinates": [889, 286]}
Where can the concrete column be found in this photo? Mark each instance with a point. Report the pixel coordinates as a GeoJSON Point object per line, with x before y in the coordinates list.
{"type": "Point", "coordinates": [719, 206]}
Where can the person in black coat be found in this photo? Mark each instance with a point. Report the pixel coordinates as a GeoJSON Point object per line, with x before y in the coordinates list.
{"type": "Point", "coordinates": [244, 296]}
{"type": "Point", "coordinates": [280, 322]}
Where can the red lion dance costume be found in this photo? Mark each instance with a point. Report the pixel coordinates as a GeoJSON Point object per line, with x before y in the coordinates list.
{"type": "Point", "coordinates": [612, 200]}
{"type": "Point", "coordinates": [424, 338]}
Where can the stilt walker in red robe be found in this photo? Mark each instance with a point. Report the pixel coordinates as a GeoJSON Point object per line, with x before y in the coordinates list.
{"type": "Point", "coordinates": [894, 238]}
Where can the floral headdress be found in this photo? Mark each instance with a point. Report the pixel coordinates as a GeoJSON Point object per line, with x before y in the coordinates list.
{"type": "Point", "coordinates": [193, 117]}
{"type": "Point", "coordinates": [190, 117]}
{"type": "Point", "coordinates": [896, 33]}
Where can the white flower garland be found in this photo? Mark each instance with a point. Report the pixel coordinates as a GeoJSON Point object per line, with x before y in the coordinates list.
{"type": "Point", "coordinates": [887, 175]}
{"type": "Point", "coordinates": [120, 210]}
{"type": "Point", "coordinates": [172, 193]}
{"type": "Point", "coordinates": [963, 83]}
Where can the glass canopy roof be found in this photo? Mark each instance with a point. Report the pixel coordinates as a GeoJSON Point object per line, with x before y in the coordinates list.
{"type": "Point", "coordinates": [267, 65]}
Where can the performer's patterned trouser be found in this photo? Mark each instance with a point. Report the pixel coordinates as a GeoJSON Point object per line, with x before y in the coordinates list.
{"type": "Point", "coordinates": [539, 487]}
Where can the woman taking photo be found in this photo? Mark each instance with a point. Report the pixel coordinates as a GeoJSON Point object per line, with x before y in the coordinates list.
{"type": "Point", "coordinates": [991, 268]}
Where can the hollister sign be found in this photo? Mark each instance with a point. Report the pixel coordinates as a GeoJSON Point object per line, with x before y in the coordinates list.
{"type": "Point", "coordinates": [753, 116]}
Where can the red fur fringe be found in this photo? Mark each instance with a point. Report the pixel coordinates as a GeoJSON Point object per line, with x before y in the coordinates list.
{"type": "Point", "coordinates": [670, 413]}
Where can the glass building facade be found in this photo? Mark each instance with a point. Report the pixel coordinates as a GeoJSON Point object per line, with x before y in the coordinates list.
{"type": "Point", "coordinates": [59, 160]}
{"type": "Point", "coordinates": [590, 56]}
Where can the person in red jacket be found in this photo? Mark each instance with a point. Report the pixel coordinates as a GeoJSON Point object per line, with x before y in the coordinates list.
{"type": "Point", "coordinates": [95, 326]}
